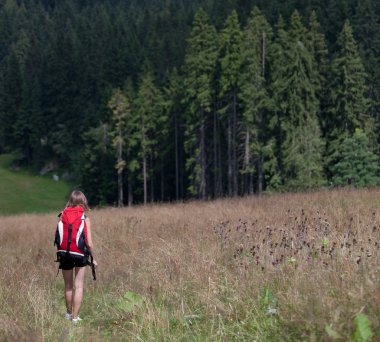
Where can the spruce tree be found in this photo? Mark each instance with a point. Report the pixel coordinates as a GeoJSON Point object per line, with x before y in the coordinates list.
{"type": "Point", "coordinates": [295, 90]}
{"type": "Point", "coordinates": [95, 167]}
{"type": "Point", "coordinates": [258, 146]}
{"type": "Point", "coordinates": [199, 68]}
{"type": "Point", "coordinates": [131, 139]}
{"type": "Point", "coordinates": [120, 108]}
{"type": "Point", "coordinates": [150, 118]}
{"type": "Point", "coordinates": [278, 59]}
{"type": "Point", "coordinates": [173, 95]}
{"type": "Point", "coordinates": [367, 34]}
{"type": "Point", "coordinates": [10, 101]}
{"type": "Point", "coordinates": [337, 12]}
{"type": "Point", "coordinates": [356, 163]}
{"type": "Point", "coordinates": [348, 107]}
{"type": "Point", "coordinates": [230, 64]}
{"type": "Point", "coordinates": [316, 44]}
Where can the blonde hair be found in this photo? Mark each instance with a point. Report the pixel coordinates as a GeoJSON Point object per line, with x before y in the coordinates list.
{"type": "Point", "coordinates": [78, 198]}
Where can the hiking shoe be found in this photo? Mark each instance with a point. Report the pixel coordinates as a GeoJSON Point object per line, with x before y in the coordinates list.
{"type": "Point", "coordinates": [76, 320]}
{"type": "Point", "coordinates": [69, 316]}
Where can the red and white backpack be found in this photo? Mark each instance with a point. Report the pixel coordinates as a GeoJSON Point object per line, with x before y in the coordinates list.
{"type": "Point", "coordinates": [71, 233]}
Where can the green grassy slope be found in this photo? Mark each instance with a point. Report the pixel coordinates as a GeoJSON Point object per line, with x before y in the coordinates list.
{"type": "Point", "coordinates": [23, 192]}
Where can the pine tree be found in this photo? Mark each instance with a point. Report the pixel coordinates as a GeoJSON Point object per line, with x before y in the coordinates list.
{"type": "Point", "coordinates": [230, 64]}
{"type": "Point", "coordinates": [163, 146]}
{"type": "Point", "coordinates": [297, 103]}
{"type": "Point", "coordinates": [60, 61]}
{"type": "Point", "coordinates": [278, 59]}
{"type": "Point", "coordinates": [15, 46]}
{"type": "Point", "coordinates": [173, 102]}
{"type": "Point", "coordinates": [94, 168]}
{"type": "Point", "coordinates": [337, 12]}
{"type": "Point", "coordinates": [59, 85]}
{"type": "Point", "coordinates": [131, 139]}
{"type": "Point", "coordinates": [119, 106]}
{"type": "Point", "coordinates": [356, 163]}
{"type": "Point", "coordinates": [256, 101]}
{"type": "Point", "coordinates": [220, 10]}
{"type": "Point", "coordinates": [150, 117]}
{"type": "Point", "coordinates": [367, 29]}
{"type": "Point", "coordinates": [316, 44]}
{"type": "Point", "coordinates": [199, 67]}
{"type": "Point", "coordinates": [10, 101]}
{"type": "Point", "coordinates": [348, 100]}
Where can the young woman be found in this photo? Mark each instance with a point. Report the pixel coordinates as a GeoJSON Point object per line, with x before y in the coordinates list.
{"type": "Point", "coordinates": [74, 229]}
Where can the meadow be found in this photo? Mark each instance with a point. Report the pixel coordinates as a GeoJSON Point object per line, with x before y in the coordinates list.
{"type": "Point", "coordinates": [286, 267]}
{"type": "Point", "coordinates": [23, 191]}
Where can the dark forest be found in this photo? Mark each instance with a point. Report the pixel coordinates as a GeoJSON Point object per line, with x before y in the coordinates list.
{"type": "Point", "coordinates": [143, 101]}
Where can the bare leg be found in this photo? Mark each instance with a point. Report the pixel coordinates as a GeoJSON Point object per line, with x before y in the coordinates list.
{"type": "Point", "coordinates": [78, 294]}
{"type": "Point", "coordinates": [68, 279]}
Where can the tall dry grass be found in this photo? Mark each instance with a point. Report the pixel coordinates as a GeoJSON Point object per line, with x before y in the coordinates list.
{"type": "Point", "coordinates": [274, 268]}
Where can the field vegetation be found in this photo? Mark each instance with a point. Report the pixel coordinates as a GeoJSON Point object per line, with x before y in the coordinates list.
{"type": "Point", "coordinates": [291, 267]}
{"type": "Point", "coordinates": [22, 191]}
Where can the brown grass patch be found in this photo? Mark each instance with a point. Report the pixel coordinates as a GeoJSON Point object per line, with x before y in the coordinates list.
{"type": "Point", "coordinates": [316, 254]}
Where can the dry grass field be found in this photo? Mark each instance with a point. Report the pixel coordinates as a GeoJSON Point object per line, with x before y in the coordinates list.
{"type": "Point", "coordinates": [292, 267]}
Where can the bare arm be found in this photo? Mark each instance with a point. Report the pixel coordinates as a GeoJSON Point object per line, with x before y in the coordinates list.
{"type": "Point", "coordinates": [90, 245]}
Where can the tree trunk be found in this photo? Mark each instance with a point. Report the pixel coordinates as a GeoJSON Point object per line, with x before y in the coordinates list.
{"type": "Point", "coordinates": [234, 149]}
{"type": "Point", "coordinates": [220, 169]}
{"type": "Point", "coordinates": [120, 186]}
{"type": "Point", "coordinates": [202, 147]}
{"type": "Point", "coordinates": [162, 181]}
{"type": "Point", "coordinates": [28, 153]}
{"type": "Point", "coordinates": [120, 172]}
{"type": "Point", "coordinates": [260, 174]}
{"type": "Point", "coordinates": [176, 157]}
{"type": "Point", "coordinates": [229, 155]}
{"type": "Point", "coordinates": [130, 190]}
{"type": "Point", "coordinates": [260, 161]}
{"type": "Point", "coordinates": [215, 159]}
{"type": "Point", "coordinates": [247, 162]}
{"type": "Point", "coordinates": [251, 190]}
{"type": "Point", "coordinates": [151, 181]}
{"type": "Point", "coordinates": [181, 174]}
{"type": "Point", "coordinates": [145, 180]}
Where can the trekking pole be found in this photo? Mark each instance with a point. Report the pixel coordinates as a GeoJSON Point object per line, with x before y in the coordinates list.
{"type": "Point", "coordinates": [93, 267]}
